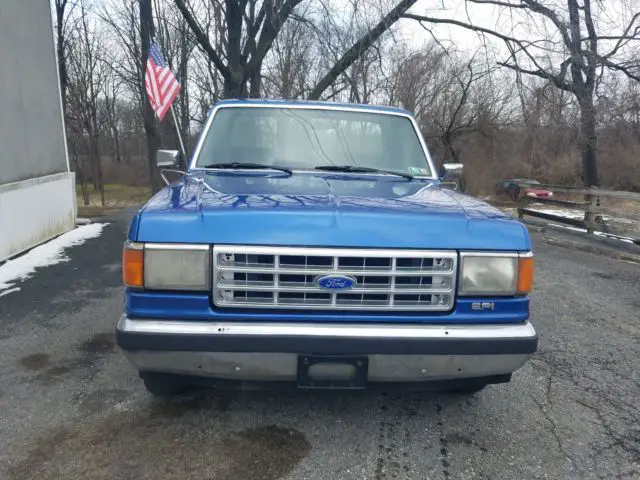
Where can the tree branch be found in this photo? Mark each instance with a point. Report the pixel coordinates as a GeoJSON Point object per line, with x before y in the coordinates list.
{"type": "Point", "coordinates": [620, 68]}
{"type": "Point", "coordinates": [538, 73]}
{"type": "Point", "coordinates": [463, 98]}
{"type": "Point", "coordinates": [500, 4]}
{"type": "Point", "coordinates": [624, 36]}
{"type": "Point", "coordinates": [558, 80]}
{"type": "Point", "coordinates": [270, 31]}
{"type": "Point", "coordinates": [537, 7]}
{"type": "Point", "coordinates": [253, 29]}
{"type": "Point", "coordinates": [203, 39]}
{"type": "Point", "coordinates": [593, 46]}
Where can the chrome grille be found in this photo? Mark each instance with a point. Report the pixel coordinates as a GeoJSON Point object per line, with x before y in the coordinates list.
{"type": "Point", "coordinates": [284, 277]}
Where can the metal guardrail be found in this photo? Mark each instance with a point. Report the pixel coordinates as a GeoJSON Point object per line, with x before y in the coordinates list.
{"type": "Point", "coordinates": [614, 213]}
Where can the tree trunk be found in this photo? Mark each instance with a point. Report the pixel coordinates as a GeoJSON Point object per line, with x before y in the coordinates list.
{"type": "Point", "coordinates": [146, 31]}
{"type": "Point", "coordinates": [62, 62]}
{"type": "Point", "coordinates": [184, 122]}
{"type": "Point", "coordinates": [78, 171]}
{"type": "Point", "coordinates": [234, 83]}
{"type": "Point", "coordinates": [97, 162]}
{"type": "Point", "coordinates": [85, 192]}
{"type": "Point", "coordinates": [93, 160]}
{"type": "Point", "coordinates": [255, 81]}
{"type": "Point", "coordinates": [447, 140]}
{"type": "Point", "coordinates": [117, 146]}
{"type": "Point", "coordinates": [94, 179]}
{"type": "Point", "coordinates": [589, 141]}
{"type": "Point", "coordinates": [234, 86]}
{"type": "Point", "coordinates": [184, 93]}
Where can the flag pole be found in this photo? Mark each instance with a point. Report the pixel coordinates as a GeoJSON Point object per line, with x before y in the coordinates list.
{"type": "Point", "coordinates": [175, 122]}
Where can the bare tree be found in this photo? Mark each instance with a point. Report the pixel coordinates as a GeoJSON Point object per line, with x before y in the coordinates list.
{"type": "Point", "coordinates": [464, 107]}
{"type": "Point", "coordinates": [207, 83]}
{"type": "Point", "coordinates": [122, 21]}
{"type": "Point", "coordinates": [87, 73]}
{"type": "Point", "coordinates": [412, 80]}
{"type": "Point", "coordinates": [449, 95]}
{"type": "Point", "coordinates": [550, 130]}
{"type": "Point", "coordinates": [287, 70]}
{"type": "Point", "coordinates": [366, 41]}
{"type": "Point", "coordinates": [365, 78]}
{"type": "Point", "coordinates": [110, 112]}
{"type": "Point", "coordinates": [131, 26]}
{"type": "Point", "coordinates": [580, 60]}
{"type": "Point", "coordinates": [206, 89]}
{"type": "Point", "coordinates": [241, 64]}
{"type": "Point", "coordinates": [250, 29]}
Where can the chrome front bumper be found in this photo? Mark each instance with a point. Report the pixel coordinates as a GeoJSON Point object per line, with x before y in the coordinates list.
{"type": "Point", "coordinates": [270, 351]}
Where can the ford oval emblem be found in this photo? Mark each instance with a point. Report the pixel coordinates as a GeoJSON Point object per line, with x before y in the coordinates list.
{"type": "Point", "coordinates": [335, 282]}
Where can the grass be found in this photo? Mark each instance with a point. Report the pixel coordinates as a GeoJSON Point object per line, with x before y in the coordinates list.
{"type": "Point", "coordinates": [116, 196]}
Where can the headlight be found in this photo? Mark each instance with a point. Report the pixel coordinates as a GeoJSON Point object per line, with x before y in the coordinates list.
{"type": "Point", "coordinates": [495, 274]}
{"type": "Point", "coordinates": [159, 266]}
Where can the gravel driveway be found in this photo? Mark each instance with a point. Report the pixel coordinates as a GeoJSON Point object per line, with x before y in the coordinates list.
{"type": "Point", "coordinates": [71, 407]}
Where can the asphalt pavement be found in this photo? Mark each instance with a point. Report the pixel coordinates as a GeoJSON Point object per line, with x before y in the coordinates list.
{"type": "Point", "coordinates": [71, 407]}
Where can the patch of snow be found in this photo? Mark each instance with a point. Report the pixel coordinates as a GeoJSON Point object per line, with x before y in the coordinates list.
{"type": "Point", "coordinates": [567, 227]}
{"type": "Point", "coordinates": [600, 234]}
{"type": "Point", "coordinates": [124, 406]}
{"type": "Point", "coordinates": [48, 253]}
{"type": "Point", "coordinates": [7, 292]}
{"type": "Point", "coordinates": [577, 214]}
{"type": "Point", "coordinates": [617, 237]}
{"type": "Point", "coordinates": [623, 220]}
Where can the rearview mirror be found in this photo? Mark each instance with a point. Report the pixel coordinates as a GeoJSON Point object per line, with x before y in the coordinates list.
{"type": "Point", "coordinates": [167, 158]}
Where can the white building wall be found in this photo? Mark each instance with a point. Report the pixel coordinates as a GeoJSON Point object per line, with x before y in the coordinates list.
{"type": "Point", "coordinates": [37, 192]}
{"type": "Point", "coordinates": [33, 211]}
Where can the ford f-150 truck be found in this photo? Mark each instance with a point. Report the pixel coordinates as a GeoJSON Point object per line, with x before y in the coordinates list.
{"type": "Point", "coordinates": [313, 245]}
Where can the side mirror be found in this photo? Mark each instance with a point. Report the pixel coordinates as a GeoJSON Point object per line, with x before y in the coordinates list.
{"type": "Point", "coordinates": [451, 176]}
{"type": "Point", "coordinates": [449, 185]}
{"type": "Point", "coordinates": [167, 158]}
{"type": "Point", "coordinates": [450, 172]}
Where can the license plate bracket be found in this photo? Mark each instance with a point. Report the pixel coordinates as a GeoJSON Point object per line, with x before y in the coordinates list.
{"type": "Point", "coordinates": [356, 382]}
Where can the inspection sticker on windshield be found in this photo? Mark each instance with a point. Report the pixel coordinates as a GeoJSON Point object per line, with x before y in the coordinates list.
{"type": "Point", "coordinates": [418, 171]}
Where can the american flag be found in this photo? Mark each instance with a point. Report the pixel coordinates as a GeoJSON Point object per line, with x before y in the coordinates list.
{"type": "Point", "coordinates": [162, 85]}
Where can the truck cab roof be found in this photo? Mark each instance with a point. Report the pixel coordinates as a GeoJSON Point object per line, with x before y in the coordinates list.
{"type": "Point", "coordinates": [255, 102]}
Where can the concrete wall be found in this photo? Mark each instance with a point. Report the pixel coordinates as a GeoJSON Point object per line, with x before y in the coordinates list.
{"type": "Point", "coordinates": [37, 197]}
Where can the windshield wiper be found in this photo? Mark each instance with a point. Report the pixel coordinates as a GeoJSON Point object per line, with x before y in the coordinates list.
{"type": "Point", "coordinates": [248, 165]}
{"type": "Point", "coordinates": [358, 169]}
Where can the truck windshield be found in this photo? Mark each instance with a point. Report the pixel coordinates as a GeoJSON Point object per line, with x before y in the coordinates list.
{"type": "Point", "coordinates": [301, 138]}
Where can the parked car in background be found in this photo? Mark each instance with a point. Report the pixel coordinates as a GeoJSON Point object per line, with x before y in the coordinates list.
{"type": "Point", "coordinates": [313, 244]}
{"type": "Point", "coordinates": [511, 189]}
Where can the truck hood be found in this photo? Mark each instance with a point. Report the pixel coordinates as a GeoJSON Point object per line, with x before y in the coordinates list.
{"type": "Point", "coordinates": [323, 209]}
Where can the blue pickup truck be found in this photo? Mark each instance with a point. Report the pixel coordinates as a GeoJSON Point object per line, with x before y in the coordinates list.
{"type": "Point", "coordinates": [313, 245]}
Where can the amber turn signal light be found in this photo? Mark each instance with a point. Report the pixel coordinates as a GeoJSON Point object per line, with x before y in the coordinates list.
{"type": "Point", "coordinates": [525, 275]}
{"type": "Point", "coordinates": [133, 264]}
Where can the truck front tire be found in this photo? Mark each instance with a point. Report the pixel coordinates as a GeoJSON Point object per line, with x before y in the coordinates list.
{"type": "Point", "coordinates": [468, 388]}
{"type": "Point", "coordinates": [163, 384]}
